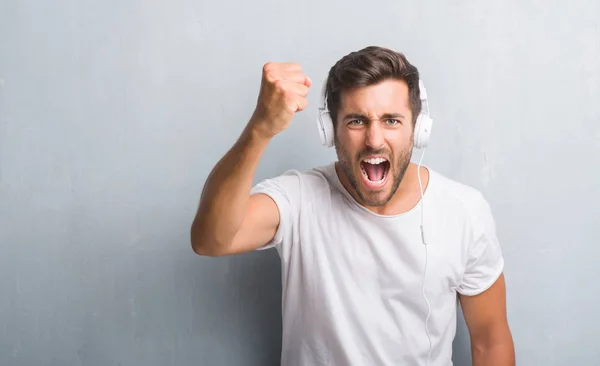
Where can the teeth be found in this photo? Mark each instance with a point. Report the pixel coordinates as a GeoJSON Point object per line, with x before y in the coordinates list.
{"type": "Point", "coordinates": [374, 161]}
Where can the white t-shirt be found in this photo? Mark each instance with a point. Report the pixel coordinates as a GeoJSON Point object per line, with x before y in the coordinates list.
{"type": "Point", "coordinates": [352, 280]}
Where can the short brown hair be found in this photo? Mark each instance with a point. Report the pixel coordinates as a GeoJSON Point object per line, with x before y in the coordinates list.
{"type": "Point", "coordinates": [369, 66]}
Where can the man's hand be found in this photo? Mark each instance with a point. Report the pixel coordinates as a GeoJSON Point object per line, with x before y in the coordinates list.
{"type": "Point", "coordinates": [283, 92]}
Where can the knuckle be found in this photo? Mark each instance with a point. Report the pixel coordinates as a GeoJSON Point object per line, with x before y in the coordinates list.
{"type": "Point", "coordinates": [267, 67]}
{"type": "Point", "coordinates": [270, 76]}
{"type": "Point", "coordinates": [304, 90]}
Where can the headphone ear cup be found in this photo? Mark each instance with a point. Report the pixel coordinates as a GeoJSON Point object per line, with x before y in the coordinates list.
{"type": "Point", "coordinates": [325, 125]}
{"type": "Point", "coordinates": [422, 131]}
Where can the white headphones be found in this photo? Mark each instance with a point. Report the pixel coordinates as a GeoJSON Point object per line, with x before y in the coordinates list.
{"type": "Point", "coordinates": [327, 132]}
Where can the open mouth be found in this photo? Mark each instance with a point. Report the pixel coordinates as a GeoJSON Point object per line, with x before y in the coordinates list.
{"type": "Point", "coordinates": [375, 170]}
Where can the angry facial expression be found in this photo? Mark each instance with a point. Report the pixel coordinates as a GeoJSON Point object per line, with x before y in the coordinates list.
{"type": "Point", "coordinates": [374, 139]}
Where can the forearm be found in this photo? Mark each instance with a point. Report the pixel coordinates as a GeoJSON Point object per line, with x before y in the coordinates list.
{"type": "Point", "coordinates": [226, 193]}
{"type": "Point", "coordinates": [499, 353]}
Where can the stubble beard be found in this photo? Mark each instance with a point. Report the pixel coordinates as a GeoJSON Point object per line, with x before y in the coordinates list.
{"type": "Point", "coordinates": [398, 170]}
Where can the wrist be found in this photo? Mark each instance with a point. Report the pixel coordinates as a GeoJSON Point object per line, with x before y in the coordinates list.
{"type": "Point", "coordinates": [258, 130]}
{"type": "Point", "coordinates": [254, 136]}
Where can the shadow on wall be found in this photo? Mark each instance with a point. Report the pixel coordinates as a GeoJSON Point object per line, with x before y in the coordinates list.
{"type": "Point", "coordinates": [238, 309]}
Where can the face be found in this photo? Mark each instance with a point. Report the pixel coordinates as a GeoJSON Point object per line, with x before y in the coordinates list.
{"type": "Point", "coordinates": [374, 142]}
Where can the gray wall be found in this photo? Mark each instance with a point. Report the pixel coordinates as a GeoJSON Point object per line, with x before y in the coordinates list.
{"type": "Point", "coordinates": [113, 113]}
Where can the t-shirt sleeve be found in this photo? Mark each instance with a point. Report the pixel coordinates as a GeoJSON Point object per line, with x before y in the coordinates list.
{"type": "Point", "coordinates": [284, 190]}
{"type": "Point", "coordinates": [485, 261]}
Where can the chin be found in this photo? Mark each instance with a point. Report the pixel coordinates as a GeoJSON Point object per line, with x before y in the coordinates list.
{"type": "Point", "coordinates": [374, 199]}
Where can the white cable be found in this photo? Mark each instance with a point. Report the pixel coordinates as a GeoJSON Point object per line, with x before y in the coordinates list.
{"type": "Point", "coordinates": [425, 270]}
{"type": "Point", "coordinates": [421, 190]}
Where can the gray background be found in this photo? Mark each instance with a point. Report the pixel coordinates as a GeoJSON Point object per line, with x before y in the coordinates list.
{"type": "Point", "coordinates": [112, 113]}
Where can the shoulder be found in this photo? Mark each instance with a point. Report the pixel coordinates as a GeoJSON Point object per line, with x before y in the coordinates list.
{"type": "Point", "coordinates": [470, 211]}
{"type": "Point", "coordinates": [458, 196]}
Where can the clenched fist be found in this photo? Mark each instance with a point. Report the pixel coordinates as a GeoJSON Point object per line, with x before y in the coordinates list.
{"type": "Point", "coordinates": [282, 93]}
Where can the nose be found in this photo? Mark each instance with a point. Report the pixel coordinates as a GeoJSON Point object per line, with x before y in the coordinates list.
{"type": "Point", "coordinates": [374, 135]}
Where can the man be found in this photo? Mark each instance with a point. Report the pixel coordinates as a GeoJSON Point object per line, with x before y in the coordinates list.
{"type": "Point", "coordinates": [362, 283]}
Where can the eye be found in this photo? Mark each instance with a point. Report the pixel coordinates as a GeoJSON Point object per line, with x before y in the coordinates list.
{"type": "Point", "coordinates": [393, 122]}
{"type": "Point", "coordinates": [355, 122]}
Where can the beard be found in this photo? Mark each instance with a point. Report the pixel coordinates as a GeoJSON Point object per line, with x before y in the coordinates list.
{"type": "Point", "coordinates": [350, 166]}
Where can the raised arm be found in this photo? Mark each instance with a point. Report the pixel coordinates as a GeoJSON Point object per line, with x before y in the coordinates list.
{"type": "Point", "coordinates": [229, 220]}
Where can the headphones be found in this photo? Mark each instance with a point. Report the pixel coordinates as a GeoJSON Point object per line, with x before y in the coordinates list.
{"type": "Point", "coordinates": [327, 131]}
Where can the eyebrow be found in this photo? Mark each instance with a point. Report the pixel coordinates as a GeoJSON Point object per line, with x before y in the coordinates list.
{"type": "Point", "coordinates": [384, 116]}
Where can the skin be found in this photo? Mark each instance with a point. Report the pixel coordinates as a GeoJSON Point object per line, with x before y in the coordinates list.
{"type": "Point", "coordinates": [486, 319]}
{"type": "Point", "coordinates": [374, 120]}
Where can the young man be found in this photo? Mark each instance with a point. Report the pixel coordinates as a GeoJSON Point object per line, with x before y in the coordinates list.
{"type": "Point", "coordinates": [372, 270]}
